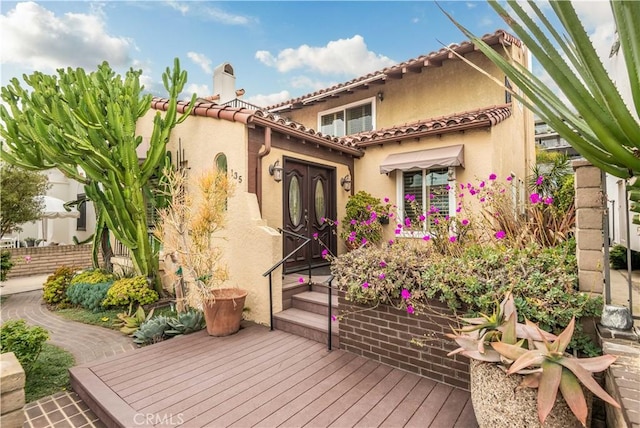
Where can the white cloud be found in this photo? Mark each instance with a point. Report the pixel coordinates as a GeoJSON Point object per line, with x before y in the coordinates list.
{"type": "Point", "coordinates": [306, 82]}
{"type": "Point", "coordinates": [471, 4]}
{"type": "Point", "coordinates": [344, 56]}
{"type": "Point", "coordinates": [201, 60]}
{"type": "Point", "coordinates": [270, 99]}
{"type": "Point", "coordinates": [200, 90]}
{"type": "Point", "coordinates": [415, 20]}
{"type": "Point", "coordinates": [183, 8]}
{"type": "Point", "coordinates": [36, 38]}
{"type": "Point", "coordinates": [223, 17]}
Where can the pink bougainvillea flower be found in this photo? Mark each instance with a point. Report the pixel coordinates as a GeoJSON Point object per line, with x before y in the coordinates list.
{"type": "Point", "coordinates": [406, 294]}
{"type": "Point", "coordinates": [325, 253]}
{"type": "Point", "coordinates": [374, 215]}
{"type": "Point", "coordinates": [452, 239]}
{"type": "Point", "coordinates": [535, 198]}
{"type": "Point", "coordinates": [548, 200]}
{"type": "Point", "coordinates": [461, 195]}
{"type": "Point", "coordinates": [436, 221]}
{"type": "Point", "coordinates": [333, 318]}
{"type": "Point", "coordinates": [447, 187]}
{"type": "Point", "coordinates": [482, 199]}
{"type": "Point", "coordinates": [431, 196]}
{"type": "Point", "coordinates": [410, 198]}
{"type": "Point", "coordinates": [422, 217]}
{"type": "Point", "coordinates": [353, 221]}
{"type": "Point", "coordinates": [465, 222]}
{"type": "Point", "coordinates": [386, 200]}
{"type": "Point", "coordinates": [365, 285]}
{"type": "Point", "coordinates": [407, 222]}
{"type": "Point", "coordinates": [390, 215]}
{"type": "Point", "coordinates": [322, 219]}
{"type": "Point", "coordinates": [468, 185]}
{"type": "Point", "coordinates": [410, 309]}
{"type": "Point", "coordinates": [500, 234]}
{"type": "Point", "coordinates": [539, 180]}
{"type": "Point", "coordinates": [335, 222]}
{"type": "Point", "coordinates": [352, 236]}
{"type": "Point", "coordinates": [363, 241]}
{"type": "Point", "coordinates": [301, 280]}
{"type": "Point", "coordinates": [426, 237]}
{"type": "Point", "coordinates": [398, 231]}
{"type": "Point", "coordinates": [390, 241]}
{"type": "Point", "coordinates": [382, 276]}
{"type": "Point", "coordinates": [492, 176]}
{"type": "Point", "coordinates": [382, 262]}
{"type": "Point", "coordinates": [458, 209]}
{"type": "Point", "coordinates": [315, 235]}
{"type": "Point", "coordinates": [509, 178]}
{"type": "Point", "coordinates": [501, 190]}
{"type": "Point", "coordinates": [446, 218]}
{"type": "Point", "coordinates": [462, 186]}
{"type": "Point", "coordinates": [27, 259]}
{"type": "Point", "coordinates": [482, 184]}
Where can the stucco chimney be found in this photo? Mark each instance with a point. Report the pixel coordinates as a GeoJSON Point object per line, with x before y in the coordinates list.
{"type": "Point", "coordinates": [224, 82]}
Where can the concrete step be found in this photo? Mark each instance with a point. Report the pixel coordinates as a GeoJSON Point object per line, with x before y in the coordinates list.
{"type": "Point", "coordinates": [307, 324]}
{"type": "Point", "coordinates": [314, 301]}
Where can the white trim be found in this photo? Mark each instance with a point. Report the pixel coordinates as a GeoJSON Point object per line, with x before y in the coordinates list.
{"type": "Point", "coordinates": [344, 107]}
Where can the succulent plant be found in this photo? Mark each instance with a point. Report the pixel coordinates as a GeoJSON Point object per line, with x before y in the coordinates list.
{"type": "Point", "coordinates": [152, 331]}
{"type": "Point", "coordinates": [539, 356]}
{"type": "Point", "coordinates": [186, 322]}
{"type": "Point", "coordinates": [130, 322]}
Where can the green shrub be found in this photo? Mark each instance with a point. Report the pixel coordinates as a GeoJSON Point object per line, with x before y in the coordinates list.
{"type": "Point", "coordinates": [5, 264]}
{"type": "Point", "coordinates": [89, 296]}
{"type": "Point", "coordinates": [130, 290]}
{"type": "Point", "coordinates": [55, 289]}
{"type": "Point", "coordinates": [618, 258]}
{"type": "Point", "coordinates": [542, 280]}
{"type": "Point", "coordinates": [362, 219]}
{"type": "Point", "coordinates": [24, 341]}
{"type": "Point", "coordinates": [93, 276]}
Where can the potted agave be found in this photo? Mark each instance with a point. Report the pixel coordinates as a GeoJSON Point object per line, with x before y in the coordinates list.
{"type": "Point", "coordinates": [510, 360]}
{"type": "Point", "coordinates": [189, 229]}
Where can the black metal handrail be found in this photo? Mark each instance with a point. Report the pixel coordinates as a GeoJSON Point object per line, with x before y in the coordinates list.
{"type": "Point", "coordinates": [330, 320]}
{"type": "Point", "coordinates": [277, 265]}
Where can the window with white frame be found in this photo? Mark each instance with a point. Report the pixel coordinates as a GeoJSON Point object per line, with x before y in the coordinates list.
{"type": "Point", "coordinates": [431, 191]}
{"type": "Point", "coordinates": [349, 119]}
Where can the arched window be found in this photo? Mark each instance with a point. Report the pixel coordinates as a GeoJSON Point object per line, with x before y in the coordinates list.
{"type": "Point", "coordinates": [221, 162]}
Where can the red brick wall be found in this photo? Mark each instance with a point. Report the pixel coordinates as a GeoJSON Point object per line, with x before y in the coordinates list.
{"type": "Point", "coordinates": [384, 334]}
{"type": "Point", "coordinates": [44, 260]}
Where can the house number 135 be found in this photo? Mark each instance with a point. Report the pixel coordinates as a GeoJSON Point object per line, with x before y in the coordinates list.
{"type": "Point", "coordinates": [236, 176]}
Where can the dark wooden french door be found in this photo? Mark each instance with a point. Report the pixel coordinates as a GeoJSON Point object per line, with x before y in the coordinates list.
{"type": "Point", "coordinates": [309, 197]}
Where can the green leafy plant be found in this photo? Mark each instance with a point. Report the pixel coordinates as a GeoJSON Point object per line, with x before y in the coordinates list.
{"type": "Point", "coordinates": [55, 288]}
{"type": "Point", "coordinates": [618, 258]}
{"type": "Point", "coordinates": [19, 200]}
{"type": "Point", "coordinates": [130, 322]}
{"type": "Point", "coordinates": [361, 223]}
{"type": "Point", "coordinates": [152, 331]}
{"type": "Point", "coordinates": [185, 323]}
{"type": "Point", "coordinates": [92, 276]}
{"type": "Point", "coordinates": [130, 290]}
{"type": "Point", "coordinates": [527, 350]}
{"type": "Point", "coordinates": [89, 296]}
{"type": "Point", "coordinates": [5, 264]}
{"type": "Point", "coordinates": [24, 341]}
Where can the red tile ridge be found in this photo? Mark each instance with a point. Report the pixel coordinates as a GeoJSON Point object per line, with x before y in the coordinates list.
{"type": "Point", "coordinates": [496, 38]}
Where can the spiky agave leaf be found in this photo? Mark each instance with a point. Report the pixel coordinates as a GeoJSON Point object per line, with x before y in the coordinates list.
{"type": "Point", "coordinates": [548, 388]}
{"type": "Point", "coordinates": [574, 396]}
{"type": "Point", "coordinates": [584, 376]}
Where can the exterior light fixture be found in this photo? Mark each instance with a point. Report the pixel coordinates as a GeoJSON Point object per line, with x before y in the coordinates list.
{"type": "Point", "coordinates": [275, 170]}
{"type": "Point", "coordinates": [345, 182]}
{"type": "Point", "coordinates": [451, 173]}
{"type": "Point", "coordinates": [381, 96]}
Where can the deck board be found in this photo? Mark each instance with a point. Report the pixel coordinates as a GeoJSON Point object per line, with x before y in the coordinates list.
{"type": "Point", "coordinates": [266, 379]}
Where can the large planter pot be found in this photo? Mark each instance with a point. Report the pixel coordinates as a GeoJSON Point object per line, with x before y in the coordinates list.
{"type": "Point", "coordinates": [498, 404]}
{"type": "Point", "coordinates": [224, 314]}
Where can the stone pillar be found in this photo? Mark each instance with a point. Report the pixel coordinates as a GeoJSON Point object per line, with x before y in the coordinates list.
{"type": "Point", "coordinates": [12, 380]}
{"type": "Point", "coordinates": [589, 216]}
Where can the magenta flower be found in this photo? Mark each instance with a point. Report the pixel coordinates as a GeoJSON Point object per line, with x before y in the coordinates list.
{"type": "Point", "coordinates": [509, 178]}
{"type": "Point", "coordinates": [458, 209]}
{"type": "Point", "coordinates": [462, 186]}
{"type": "Point", "coordinates": [548, 200]}
{"type": "Point", "coordinates": [325, 253]}
{"type": "Point", "coordinates": [447, 187]}
{"type": "Point", "coordinates": [446, 218]}
{"type": "Point", "coordinates": [333, 318]}
{"type": "Point", "coordinates": [386, 200]}
{"type": "Point", "coordinates": [322, 219]}
{"type": "Point", "coordinates": [468, 185]}
{"type": "Point", "coordinates": [352, 236]}
{"type": "Point", "coordinates": [500, 234]}
{"type": "Point", "coordinates": [482, 199]}
{"type": "Point", "coordinates": [410, 198]}
{"type": "Point", "coordinates": [539, 180]}
{"type": "Point", "coordinates": [492, 176]}
{"type": "Point", "coordinates": [353, 222]}
{"type": "Point", "coordinates": [301, 280]}
{"type": "Point", "coordinates": [335, 222]}
{"type": "Point", "coordinates": [422, 217]}
{"type": "Point", "coordinates": [390, 241]}
{"type": "Point", "coordinates": [365, 285]}
{"type": "Point", "coordinates": [472, 191]}
{"type": "Point", "coordinates": [461, 195]}
{"type": "Point", "coordinates": [383, 264]}
{"type": "Point", "coordinates": [407, 222]}
{"type": "Point", "coordinates": [398, 231]}
{"type": "Point", "coordinates": [410, 309]}
{"type": "Point", "coordinates": [374, 215]}
{"type": "Point", "coordinates": [431, 196]}
{"type": "Point", "coordinates": [465, 222]}
{"type": "Point", "coordinates": [482, 184]}
{"type": "Point", "coordinates": [390, 215]}
{"type": "Point", "coordinates": [382, 276]}
{"type": "Point", "coordinates": [452, 239]}
{"type": "Point", "coordinates": [27, 259]}
{"type": "Point", "coordinates": [436, 221]}
{"type": "Point", "coordinates": [406, 294]}
{"type": "Point", "coordinates": [363, 241]}
{"type": "Point", "coordinates": [426, 237]}
{"type": "Point", "coordinates": [315, 235]}
{"type": "Point", "coordinates": [535, 198]}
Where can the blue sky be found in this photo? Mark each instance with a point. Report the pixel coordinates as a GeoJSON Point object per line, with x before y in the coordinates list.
{"type": "Point", "coordinates": [279, 50]}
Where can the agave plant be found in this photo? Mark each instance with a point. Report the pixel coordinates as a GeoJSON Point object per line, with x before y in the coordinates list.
{"type": "Point", "coordinates": [554, 369]}
{"type": "Point", "coordinates": [130, 322]}
{"type": "Point", "coordinates": [185, 323]}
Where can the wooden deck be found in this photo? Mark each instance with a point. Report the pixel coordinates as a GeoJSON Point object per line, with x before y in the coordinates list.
{"type": "Point", "coordinates": [262, 378]}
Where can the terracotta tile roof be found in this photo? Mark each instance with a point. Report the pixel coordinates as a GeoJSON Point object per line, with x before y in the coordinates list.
{"type": "Point", "coordinates": [486, 117]}
{"type": "Point", "coordinates": [500, 37]}
{"type": "Point", "coordinates": [263, 118]}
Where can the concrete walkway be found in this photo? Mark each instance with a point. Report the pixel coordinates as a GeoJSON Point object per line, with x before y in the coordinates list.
{"type": "Point", "coordinates": [86, 343]}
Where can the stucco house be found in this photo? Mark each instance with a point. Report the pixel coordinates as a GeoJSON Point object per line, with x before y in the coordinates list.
{"type": "Point", "coordinates": [428, 121]}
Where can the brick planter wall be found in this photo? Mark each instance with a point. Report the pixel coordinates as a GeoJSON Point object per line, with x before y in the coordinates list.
{"type": "Point", "coordinates": [44, 260]}
{"type": "Point", "coordinates": [384, 334]}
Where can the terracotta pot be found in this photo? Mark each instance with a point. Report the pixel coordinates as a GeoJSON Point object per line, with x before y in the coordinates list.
{"type": "Point", "coordinates": [497, 404]}
{"type": "Point", "coordinates": [223, 315]}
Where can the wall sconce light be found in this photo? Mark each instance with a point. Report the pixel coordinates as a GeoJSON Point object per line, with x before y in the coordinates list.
{"type": "Point", "coordinates": [381, 96]}
{"type": "Point", "coordinates": [345, 182]}
{"type": "Point", "coordinates": [451, 173]}
{"type": "Point", "coordinates": [275, 170]}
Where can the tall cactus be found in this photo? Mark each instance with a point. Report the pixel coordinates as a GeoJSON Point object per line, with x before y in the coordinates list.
{"type": "Point", "coordinates": [85, 125]}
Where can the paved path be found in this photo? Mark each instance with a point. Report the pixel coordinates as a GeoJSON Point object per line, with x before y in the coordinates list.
{"type": "Point", "coordinates": [86, 343]}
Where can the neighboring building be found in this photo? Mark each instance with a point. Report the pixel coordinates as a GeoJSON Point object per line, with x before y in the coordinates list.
{"type": "Point", "coordinates": [549, 140]}
{"type": "Point", "coordinates": [408, 128]}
